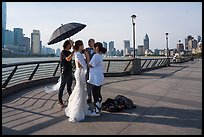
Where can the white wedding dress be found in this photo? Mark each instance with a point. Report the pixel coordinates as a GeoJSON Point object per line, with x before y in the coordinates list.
{"type": "Point", "coordinates": [77, 107]}
{"type": "Point", "coordinates": [53, 88]}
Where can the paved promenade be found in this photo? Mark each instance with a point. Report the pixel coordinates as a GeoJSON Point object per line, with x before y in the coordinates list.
{"type": "Point", "coordinates": [169, 102]}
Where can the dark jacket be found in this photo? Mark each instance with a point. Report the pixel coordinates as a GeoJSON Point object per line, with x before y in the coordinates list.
{"type": "Point", "coordinates": [66, 66]}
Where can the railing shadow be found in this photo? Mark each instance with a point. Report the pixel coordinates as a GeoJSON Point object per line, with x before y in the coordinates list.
{"type": "Point", "coordinates": [164, 75]}
{"type": "Point", "coordinates": [176, 117]}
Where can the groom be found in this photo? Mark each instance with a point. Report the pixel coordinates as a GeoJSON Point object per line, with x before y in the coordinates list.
{"type": "Point", "coordinates": [66, 71]}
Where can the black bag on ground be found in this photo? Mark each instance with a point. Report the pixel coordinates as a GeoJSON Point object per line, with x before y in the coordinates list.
{"type": "Point", "coordinates": [124, 102]}
{"type": "Point", "coordinates": [117, 104]}
{"type": "Point", "coordinates": [110, 105]}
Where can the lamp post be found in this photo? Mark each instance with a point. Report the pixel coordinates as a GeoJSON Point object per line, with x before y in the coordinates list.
{"type": "Point", "coordinates": [133, 23]}
{"type": "Point", "coordinates": [167, 49]}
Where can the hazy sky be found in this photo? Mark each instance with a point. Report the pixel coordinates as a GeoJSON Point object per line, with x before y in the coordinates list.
{"type": "Point", "coordinates": [107, 21]}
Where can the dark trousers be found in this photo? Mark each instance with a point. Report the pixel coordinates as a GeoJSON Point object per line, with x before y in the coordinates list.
{"type": "Point", "coordinates": [88, 85]}
{"type": "Point", "coordinates": [65, 79]}
{"type": "Point", "coordinates": [96, 90]}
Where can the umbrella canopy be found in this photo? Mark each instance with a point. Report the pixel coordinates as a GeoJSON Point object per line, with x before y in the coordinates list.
{"type": "Point", "coordinates": [65, 31]}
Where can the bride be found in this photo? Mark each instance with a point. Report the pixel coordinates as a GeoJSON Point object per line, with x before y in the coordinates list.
{"type": "Point", "coordinates": [77, 107]}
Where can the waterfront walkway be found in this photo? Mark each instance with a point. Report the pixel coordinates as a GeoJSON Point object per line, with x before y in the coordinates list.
{"type": "Point", "coordinates": [169, 101]}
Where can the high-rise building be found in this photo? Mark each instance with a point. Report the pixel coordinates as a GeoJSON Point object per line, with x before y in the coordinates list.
{"type": "Point", "coordinates": [58, 52]}
{"type": "Point", "coordinates": [189, 42]}
{"type": "Point", "coordinates": [126, 47]}
{"type": "Point", "coordinates": [140, 51]}
{"type": "Point", "coordinates": [111, 45]}
{"type": "Point", "coordinates": [186, 43]}
{"type": "Point", "coordinates": [26, 45]}
{"type": "Point", "coordinates": [105, 45]}
{"type": "Point", "coordinates": [35, 42]}
{"type": "Point", "coordinates": [3, 22]}
{"type": "Point", "coordinates": [9, 37]}
{"type": "Point", "coordinates": [194, 43]}
{"type": "Point", "coordinates": [146, 42]}
{"type": "Point", "coordinates": [18, 35]}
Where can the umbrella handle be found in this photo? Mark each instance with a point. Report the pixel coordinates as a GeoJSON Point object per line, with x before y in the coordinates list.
{"type": "Point", "coordinates": [71, 41]}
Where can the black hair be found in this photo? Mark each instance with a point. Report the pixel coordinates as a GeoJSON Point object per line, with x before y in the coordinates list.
{"type": "Point", "coordinates": [91, 40]}
{"type": "Point", "coordinates": [66, 43]}
{"type": "Point", "coordinates": [78, 43]}
{"type": "Point", "coordinates": [100, 46]}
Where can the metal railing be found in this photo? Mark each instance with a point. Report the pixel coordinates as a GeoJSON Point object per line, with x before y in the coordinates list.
{"type": "Point", "coordinates": [151, 63]}
{"type": "Point", "coordinates": [17, 73]}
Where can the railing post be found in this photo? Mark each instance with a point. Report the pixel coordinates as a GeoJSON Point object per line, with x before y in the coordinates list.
{"type": "Point", "coordinates": [136, 66]}
{"type": "Point", "coordinates": [9, 77]}
{"type": "Point", "coordinates": [127, 65]}
{"type": "Point", "coordinates": [56, 69]}
{"type": "Point", "coordinates": [108, 66]}
{"type": "Point", "coordinates": [31, 76]}
{"type": "Point", "coordinates": [143, 64]}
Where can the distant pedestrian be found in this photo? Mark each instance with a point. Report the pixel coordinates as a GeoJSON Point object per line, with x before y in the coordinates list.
{"type": "Point", "coordinates": [174, 59]}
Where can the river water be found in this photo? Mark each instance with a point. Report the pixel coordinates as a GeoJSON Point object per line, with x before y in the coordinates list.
{"type": "Point", "coordinates": [15, 60]}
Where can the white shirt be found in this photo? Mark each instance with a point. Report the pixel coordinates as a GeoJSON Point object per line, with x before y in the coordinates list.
{"type": "Point", "coordinates": [96, 76]}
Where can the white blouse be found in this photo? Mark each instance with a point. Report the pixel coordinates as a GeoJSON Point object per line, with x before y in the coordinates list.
{"type": "Point", "coordinates": [96, 76]}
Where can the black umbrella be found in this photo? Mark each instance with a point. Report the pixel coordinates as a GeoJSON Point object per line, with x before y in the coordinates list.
{"type": "Point", "coordinates": [65, 31]}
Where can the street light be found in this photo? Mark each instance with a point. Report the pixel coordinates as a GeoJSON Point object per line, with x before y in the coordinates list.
{"type": "Point", "coordinates": [167, 49]}
{"type": "Point", "coordinates": [133, 23]}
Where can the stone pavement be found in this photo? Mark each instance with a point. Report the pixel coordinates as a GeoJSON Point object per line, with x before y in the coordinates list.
{"type": "Point", "coordinates": [169, 102]}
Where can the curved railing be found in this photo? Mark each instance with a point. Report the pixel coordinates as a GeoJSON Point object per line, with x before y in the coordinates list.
{"type": "Point", "coordinates": [16, 73]}
{"type": "Point", "coordinates": [150, 63]}
{"type": "Point", "coordinates": [41, 71]}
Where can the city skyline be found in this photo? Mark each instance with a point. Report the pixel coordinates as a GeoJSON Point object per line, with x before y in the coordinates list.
{"type": "Point", "coordinates": [110, 21]}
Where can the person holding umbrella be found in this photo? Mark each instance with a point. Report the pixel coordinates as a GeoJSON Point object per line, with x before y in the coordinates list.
{"type": "Point", "coordinates": [66, 71]}
{"type": "Point", "coordinates": [61, 33]}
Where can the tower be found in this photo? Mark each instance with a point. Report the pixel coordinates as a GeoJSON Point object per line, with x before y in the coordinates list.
{"type": "Point", "coordinates": [35, 42]}
{"type": "Point", "coordinates": [146, 42]}
{"type": "Point", "coordinates": [126, 47]}
{"type": "Point", "coordinates": [3, 22]}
